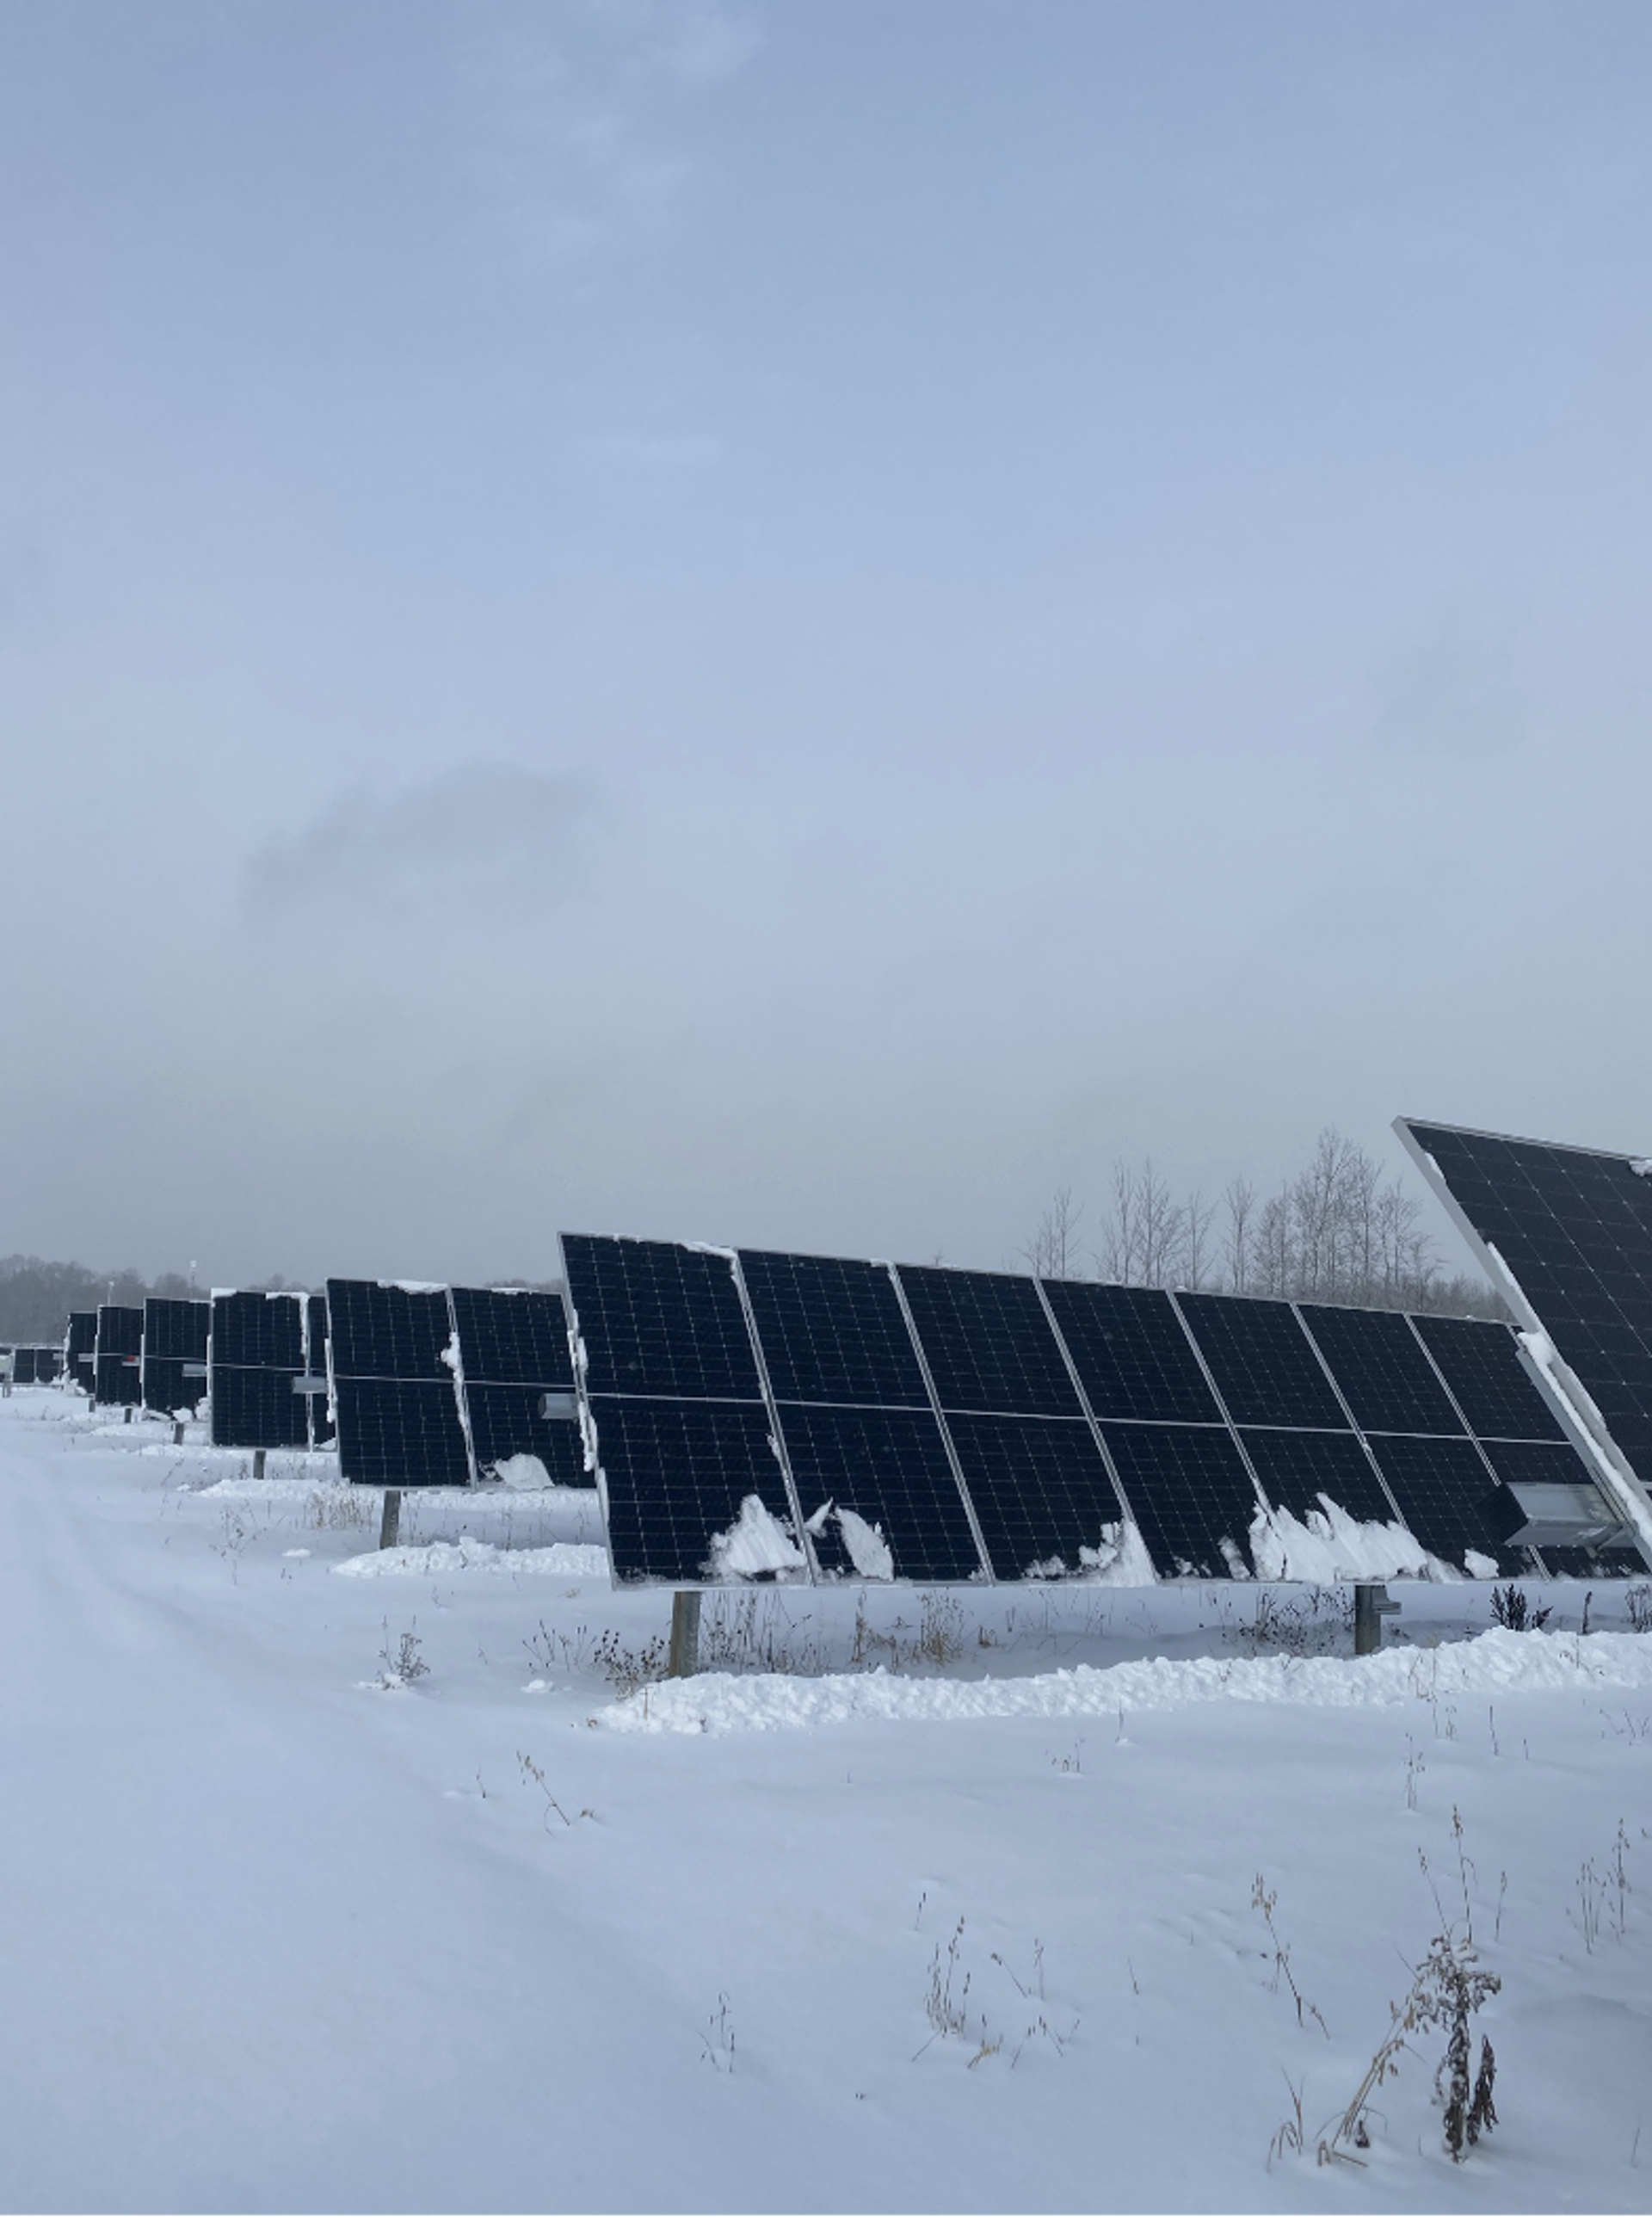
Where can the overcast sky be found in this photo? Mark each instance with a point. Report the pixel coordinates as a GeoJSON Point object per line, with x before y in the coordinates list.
{"type": "Point", "coordinates": [792, 623]}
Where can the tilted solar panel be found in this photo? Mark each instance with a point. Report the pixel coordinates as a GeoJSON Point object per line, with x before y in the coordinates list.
{"type": "Point", "coordinates": [1262, 1363]}
{"type": "Point", "coordinates": [1480, 1359]}
{"type": "Point", "coordinates": [1447, 1499]}
{"type": "Point", "coordinates": [115, 1370]}
{"type": "Point", "coordinates": [832, 1331]}
{"type": "Point", "coordinates": [1296, 1468]}
{"type": "Point", "coordinates": [316, 1365]}
{"type": "Point", "coordinates": [514, 1352]}
{"type": "Point", "coordinates": [396, 1385]}
{"type": "Point", "coordinates": [1383, 1371]}
{"type": "Point", "coordinates": [659, 1318]}
{"type": "Point", "coordinates": [1042, 1494]}
{"type": "Point", "coordinates": [1567, 1233]}
{"type": "Point", "coordinates": [679, 1478]}
{"type": "Point", "coordinates": [255, 1356]}
{"type": "Point", "coordinates": [175, 1334]}
{"type": "Point", "coordinates": [879, 1494]}
{"type": "Point", "coordinates": [79, 1349]}
{"type": "Point", "coordinates": [987, 1340]}
{"type": "Point", "coordinates": [1131, 1352]}
{"type": "Point", "coordinates": [1190, 1496]}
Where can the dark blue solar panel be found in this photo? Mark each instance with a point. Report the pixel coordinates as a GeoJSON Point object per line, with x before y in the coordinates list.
{"type": "Point", "coordinates": [174, 1336]}
{"type": "Point", "coordinates": [320, 1417]}
{"type": "Point", "coordinates": [1131, 1352]}
{"type": "Point", "coordinates": [1262, 1362]}
{"type": "Point", "coordinates": [1574, 1228]}
{"type": "Point", "coordinates": [988, 1342]}
{"type": "Point", "coordinates": [256, 1352]}
{"type": "Point", "coordinates": [1382, 1370]}
{"type": "Point", "coordinates": [506, 1421]}
{"type": "Point", "coordinates": [119, 1338]}
{"type": "Point", "coordinates": [832, 1331]}
{"type": "Point", "coordinates": [252, 1329]}
{"type": "Point", "coordinates": [79, 1347]}
{"type": "Point", "coordinates": [401, 1434]}
{"type": "Point", "coordinates": [659, 1319]}
{"type": "Point", "coordinates": [1480, 1359]}
{"type": "Point", "coordinates": [382, 1332]}
{"type": "Point", "coordinates": [675, 1475]}
{"type": "Point", "coordinates": [891, 1471]}
{"type": "Point", "coordinates": [1041, 1490]}
{"type": "Point", "coordinates": [1447, 1499]}
{"type": "Point", "coordinates": [514, 1335]}
{"type": "Point", "coordinates": [1296, 1468]}
{"type": "Point", "coordinates": [1190, 1496]}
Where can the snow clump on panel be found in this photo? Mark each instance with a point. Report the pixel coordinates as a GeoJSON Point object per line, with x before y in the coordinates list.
{"type": "Point", "coordinates": [1330, 1546]}
{"type": "Point", "coordinates": [756, 1545]}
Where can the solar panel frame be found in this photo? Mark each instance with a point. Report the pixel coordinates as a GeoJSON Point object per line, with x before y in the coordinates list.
{"type": "Point", "coordinates": [1296, 1465]}
{"type": "Point", "coordinates": [175, 1333]}
{"type": "Point", "coordinates": [514, 1349]}
{"type": "Point", "coordinates": [695, 1341]}
{"type": "Point", "coordinates": [832, 1331]}
{"type": "Point", "coordinates": [1480, 1362]}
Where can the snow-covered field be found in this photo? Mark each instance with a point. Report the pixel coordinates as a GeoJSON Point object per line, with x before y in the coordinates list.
{"type": "Point", "coordinates": [287, 1927]}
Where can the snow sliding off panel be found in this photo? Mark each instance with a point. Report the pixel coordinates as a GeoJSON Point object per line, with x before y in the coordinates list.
{"type": "Point", "coordinates": [1190, 1495]}
{"type": "Point", "coordinates": [513, 1347]}
{"type": "Point", "coordinates": [873, 1480]}
{"type": "Point", "coordinates": [1041, 1492]}
{"type": "Point", "coordinates": [1447, 1499]}
{"type": "Point", "coordinates": [1573, 1229]}
{"type": "Point", "coordinates": [256, 1357]}
{"type": "Point", "coordinates": [395, 1392]}
{"type": "Point", "coordinates": [692, 1491]}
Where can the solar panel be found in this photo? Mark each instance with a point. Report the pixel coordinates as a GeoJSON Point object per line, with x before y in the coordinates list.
{"type": "Point", "coordinates": [514, 1350]}
{"type": "Point", "coordinates": [1480, 1362]}
{"type": "Point", "coordinates": [48, 1362]}
{"type": "Point", "coordinates": [396, 1390]}
{"type": "Point", "coordinates": [879, 1494]}
{"type": "Point", "coordinates": [1041, 1493]}
{"type": "Point", "coordinates": [316, 1365]}
{"type": "Point", "coordinates": [255, 1354]}
{"type": "Point", "coordinates": [1382, 1370]}
{"type": "Point", "coordinates": [78, 1347]}
{"type": "Point", "coordinates": [22, 1366]}
{"type": "Point", "coordinates": [1297, 1467]}
{"type": "Point", "coordinates": [1569, 1233]}
{"type": "Point", "coordinates": [1448, 1500]}
{"type": "Point", "coordinates": [832, 1331]}
{"type": "Point", "coordinates": [175, 1334]}
{"type": "Point", "coordinates": [659, 1318]}
{"type": "Point", "coordinates": [119, 1346]}
{"type": "Point", "coordinates": [1262, 1363]}
{"type": "Point", "coordinates": [678, 1477]}
{"type": "Point", "coordinates": [1131, 1352]}
{"type": "Point", "coordinates": [987, 1340]}
{"type": "Point", "coordinates": [1190, 1495]}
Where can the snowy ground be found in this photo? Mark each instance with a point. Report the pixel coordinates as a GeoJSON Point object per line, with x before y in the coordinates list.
{"type": "Point", "coordinates": [279, 1934]}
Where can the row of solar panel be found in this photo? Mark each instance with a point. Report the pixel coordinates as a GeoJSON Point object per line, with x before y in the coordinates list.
{"type": "Point", "coordinates": [431, 1387]}
{"type": "Point", "coordinates": [819, 1418]}
{"type": "Point", "coordinates": [33, 1362]}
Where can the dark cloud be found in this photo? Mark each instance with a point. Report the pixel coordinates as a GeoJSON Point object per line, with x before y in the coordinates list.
{"type": "Point", "coordinates": [479, 837]}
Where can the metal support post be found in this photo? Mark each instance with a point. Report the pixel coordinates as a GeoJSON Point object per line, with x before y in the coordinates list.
{"type": "Point", "coordinates": [390, 1524]}
{"type": "Point", "coordinates": [1371, 1606]}
{"type": "Point", "coordinates": [177, 1433]}
{"type": "Point", "coordinates": [684, 1656]}
{"type": "Point", "coordinates": [257, 1464]}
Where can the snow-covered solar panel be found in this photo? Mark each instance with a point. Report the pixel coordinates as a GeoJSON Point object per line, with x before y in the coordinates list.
{"type": "Point", "coordinates": [79, 1344]}
{"type": "Point", "coordinates": [1298, 1469]}
{"type": "Point", "coordinates": [514, 1354]}
{"type": "Point", "coordinates": [1042, 1494]}
{"type": "Point", "coordinates": [1190, 1496]}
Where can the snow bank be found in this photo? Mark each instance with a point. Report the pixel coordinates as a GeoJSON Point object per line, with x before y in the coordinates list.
{"type": "Point", "coordinates": [1492, 1664]}
{"type": "Point", "coordinates": [589, 1560]}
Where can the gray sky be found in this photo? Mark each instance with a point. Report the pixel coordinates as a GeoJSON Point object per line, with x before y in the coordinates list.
{"type": "Point", "coordinates": [792, 623]}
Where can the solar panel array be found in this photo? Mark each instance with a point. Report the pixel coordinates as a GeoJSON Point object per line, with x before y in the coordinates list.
{"type": "Point", "coordinates": [36, 1363]}
{"type": "Point", "coordinates": [433, 1387]}
{"type": "Point", "coordinates": [925, 1424]}
{"type": "Point", "coordinates": [174, 1358]}
{"type": "Point", "coordinates": [257, 1365]}
{"type": "Point", "coordinates": [1567, 1233]}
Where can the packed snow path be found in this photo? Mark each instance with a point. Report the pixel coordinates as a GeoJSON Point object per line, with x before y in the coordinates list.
{"type": "Point", "coordinates": [280, 1937]}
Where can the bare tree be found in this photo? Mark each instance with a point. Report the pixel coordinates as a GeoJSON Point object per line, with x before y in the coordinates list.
{"type": "Point", "coordinates": [1052, 1253]}
{"type": "Point", "coordinates": [1241, 1199]}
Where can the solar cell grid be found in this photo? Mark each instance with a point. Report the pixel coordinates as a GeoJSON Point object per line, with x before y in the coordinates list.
{"type": "Point", "coordinates": [1382, 1370]}
{"type": "Point", "coordinates": [383, 1332]}
{"type": "Point", "coordinates": [514, 1336]}
{"type": "Point", "coordinates": [1295, 1468]}
{"type": "Point", "coordinates": [832, 1331]}
{"type": "Point", "coordinates": [254, 1407]}
{"type": "Point", "coordinates": [1041, 1489]}
{"type": "Point", "coordinates": [1446, 1498]}
{"type": "Point", "coordinates": [987, 1341]}
{"type": "Point", "coordinates": [1480, 1361]}
{"type": "Point", "coordinates": [1263, 1364]}
{"type": "Point", "coordinates": [1190, 1496]}
{"type": "Point", "coordinates": [1131, 1352]}
{"type": "Point", "coordinates": [657, 1318]}
{"type": "Point", "coordinates": [675, 1475]}
{"type": "Point", "coordinates": [505, 1422]}
{"type": "Point", "coordinates": [401, 1434]}
{"type": "Point", "coordinates": [262, 1331]}
{"type": "Point", "coordinates": [890, 1470]}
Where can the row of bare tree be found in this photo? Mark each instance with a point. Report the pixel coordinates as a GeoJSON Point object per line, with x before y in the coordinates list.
{"type": "Point", "coordinates": [1336, 1234]}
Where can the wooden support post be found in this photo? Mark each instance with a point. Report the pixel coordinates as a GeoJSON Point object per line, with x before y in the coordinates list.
{"type": "Point", "coordinates": [684, 1655]}
{"type": "Point", "coordinates": [1371, 1606]}
{"type": "Point", "coordinates": [177, 1433]}
{"type": "Point", "coordinates": [390, 1526]}
{"type": "Point", "coordinates": [128, 1415]}
{"type": "Point", "coordinates": [257, 1464]}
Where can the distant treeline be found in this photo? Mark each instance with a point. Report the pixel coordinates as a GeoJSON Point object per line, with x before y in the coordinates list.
{"type": "Point", "coordinates": [1336, 1233]}
{"type": "Point", "coordinates": [36, 1296]}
